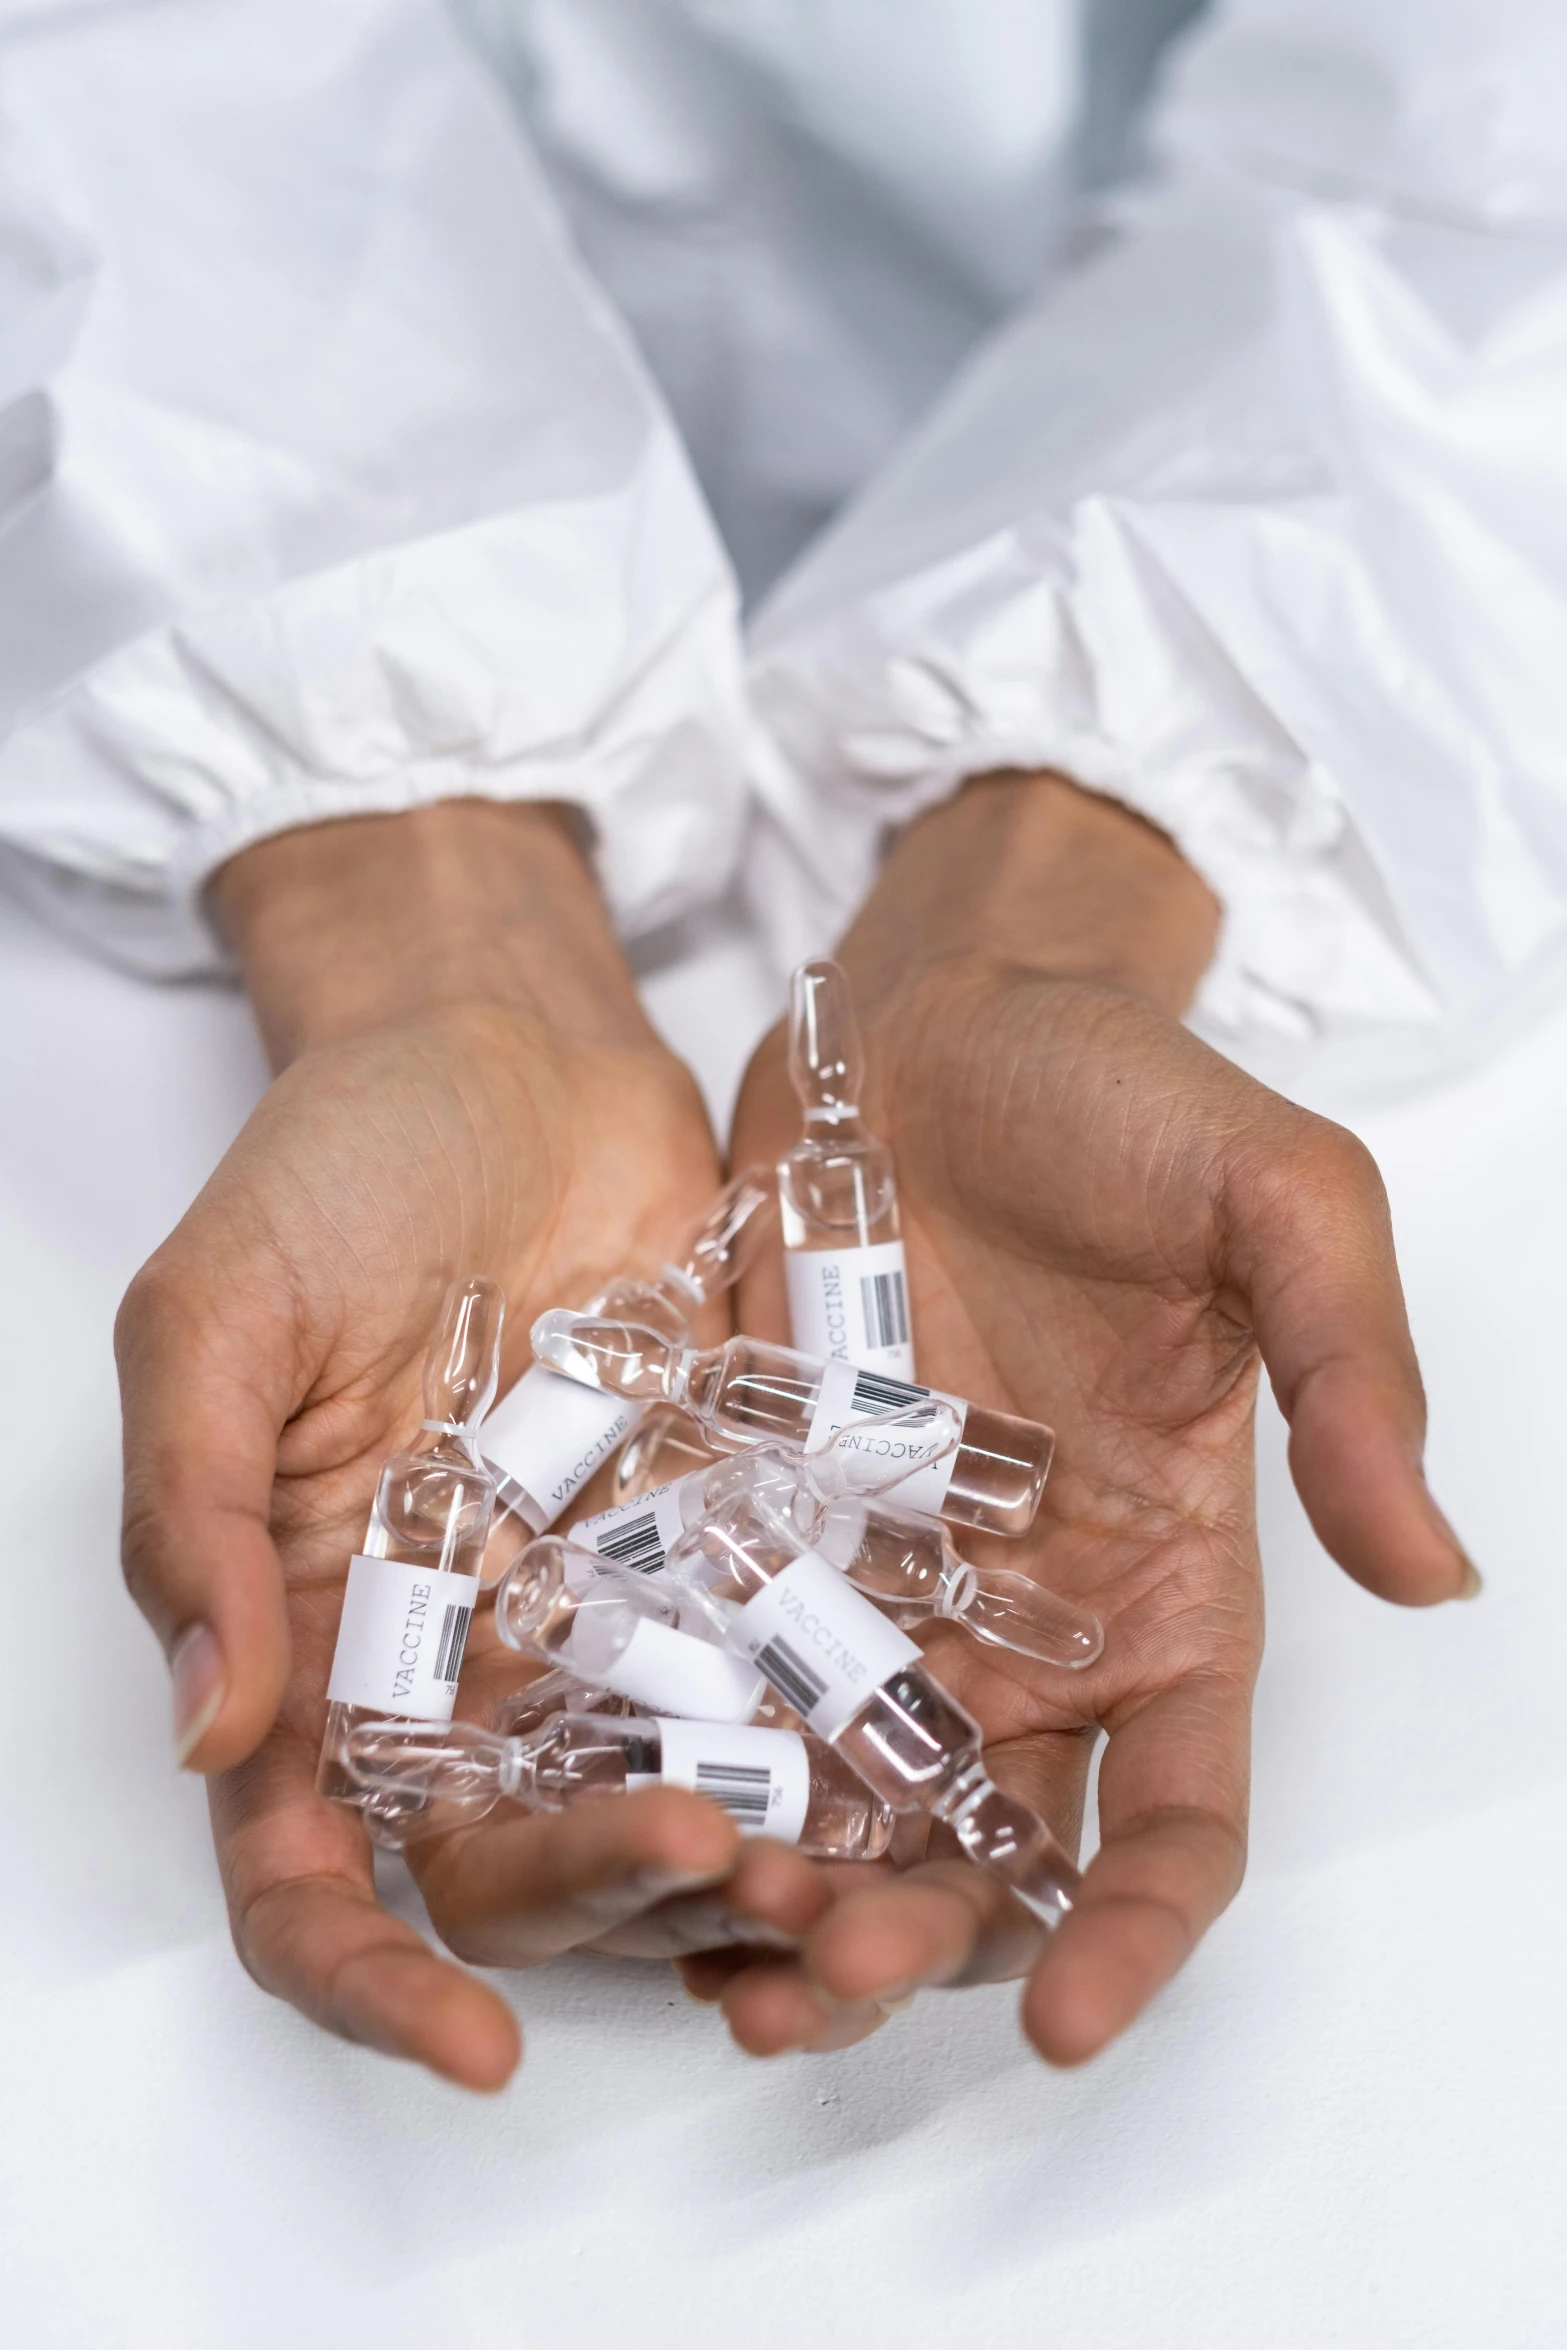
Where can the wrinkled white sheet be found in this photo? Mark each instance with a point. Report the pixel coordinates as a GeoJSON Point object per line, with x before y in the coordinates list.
{"type": "Point", "coordinates": [328, 484]}
{"type": "Point", "coordinates": [1257, 522]}
{"type": "Point", "coordinates": [1347, 2123]}
{"type": "Point", "coordinates": [331, 482]}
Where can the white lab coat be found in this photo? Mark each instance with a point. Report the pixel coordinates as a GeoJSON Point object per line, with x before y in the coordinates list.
{"type": "Point", "coordinates": [330, 479]}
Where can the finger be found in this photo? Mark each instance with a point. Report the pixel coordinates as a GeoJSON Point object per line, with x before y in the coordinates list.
{"type": "Point", "coordinates": [1311, 1243]}
{"type": "Point", "coordinates": [889, 1933]}
{"type": "Point", "coordinates": [203, 1381]}
{"type": "Point", "coordinates": [766, 1124]}
{"type": "Point", "coordinates": [308, 1928]}
{"type": "Point", "coordinates": [707, 1973]}
{"type": "Point", "coordinates": [331, 1951]}
{"type": "Point", "coordinates": [1173, 1790]}
{"type": "Point", "coordinates": [771, 2009]}
{"type": "Point", "coordinates": [516, 1891]}
{"type": "Point", "coordinates": [875, 1948]}
{"type": "Point", "coordinates": [943, 1923]}
{"type": "Point", "coordinates": [771, 1899]}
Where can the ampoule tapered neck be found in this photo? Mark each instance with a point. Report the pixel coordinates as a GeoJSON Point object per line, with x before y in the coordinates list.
{"type": "Point", "coordinates": [1008, 1839]}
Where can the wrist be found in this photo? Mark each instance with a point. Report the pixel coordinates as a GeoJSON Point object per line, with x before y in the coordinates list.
{"type": "Point", "coordinates": [342, 927]}
{"type": "Point", "coordinates": [1031, 871]}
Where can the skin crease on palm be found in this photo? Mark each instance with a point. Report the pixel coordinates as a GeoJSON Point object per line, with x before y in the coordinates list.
{"type": "Point", "coordinates": [457, 1093]}
{"type": "Point", "coordinates": [1102, 1219]}
{"type": "Point", "coordinates": [1100, 1215]}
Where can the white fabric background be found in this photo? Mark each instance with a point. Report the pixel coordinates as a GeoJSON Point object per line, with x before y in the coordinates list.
{"type": "Point", "coordinates": [1346, 2124]}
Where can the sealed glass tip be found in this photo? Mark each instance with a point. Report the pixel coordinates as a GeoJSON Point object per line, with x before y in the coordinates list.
{"type": "Point", "coordinates": [730, 1235]}
{"type": "Point", "coordinates": [1009, 1610]}
{"type": "Point", "coordinates": [826, 1060]}
{"type": "Point", "coordinates": [618, 1357]}
{"type": "Point", "coordinates": [462, 1368]}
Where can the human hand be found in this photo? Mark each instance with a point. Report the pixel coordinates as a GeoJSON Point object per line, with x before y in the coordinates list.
{"type": "Point", "coordinates": [467, 1084]}
{"type": "Point", "coordinates": [1106, 1225]}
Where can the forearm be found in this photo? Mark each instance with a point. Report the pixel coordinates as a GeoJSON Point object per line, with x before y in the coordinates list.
{"type": "Point", "coordinates": [343, 927]}
{"type": "Point", "coordinates": [1032, 872]}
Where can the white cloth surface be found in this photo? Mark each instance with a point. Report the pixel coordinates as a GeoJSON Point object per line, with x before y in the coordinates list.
{"type": "Point", "coordinates": [1346, 2123]}
{"type": "Point", "coordinates": [328, 483]}
{"type": "Point", "coordinates": [331, 482]}
{"type": "Point", "coordinates": [1256, 522]}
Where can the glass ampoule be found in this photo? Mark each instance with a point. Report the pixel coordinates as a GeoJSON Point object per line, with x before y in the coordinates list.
{"type": "Point", "coordinates": [860, 1683]}
{"type": "Point", "coordinates": [548, 1435]}
{"type": "Point", "coordinates": [666, 1445]}
{"type": "Point", "coordinates": [837, 1194]}
{"type": "Point", "coordinates": [777, 1783]}
{"type": "Point", "coordinates": [565, 1607]}
{"type": "Point", "coordinates": [750, 1393]}
{"type": "Point", "coordinates": [909, 1565]}
{"type": "Point", "coordinates": [555, 1692]}
{"type": "Point", "coordinates": [411, 1591]}
{"type": "Point", "coordinates": [561, 1692]}
{"type": "Point", "coordinates": [906, 1563]}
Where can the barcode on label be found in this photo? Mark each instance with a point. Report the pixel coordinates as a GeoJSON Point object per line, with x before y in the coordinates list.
{"type": "Point", "coordinates": [637, 1544]}
{"type": "Point", "coordinates": [741, 1789]}
{"type": "Point", "coordinates": [885, 1309]}
{"type": "Point", "coordinates": [873, 1393]}
{"type": "Point", "coordinates": [454, 1639]}
{"type": "Point", "coordinates": [790, 1675]}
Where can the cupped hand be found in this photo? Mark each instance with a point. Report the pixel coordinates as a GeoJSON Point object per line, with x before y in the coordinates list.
{"type": "Point", "coordinates": [467, 1085]}
{"type": "Point", "coordinates": [1109, 1228]}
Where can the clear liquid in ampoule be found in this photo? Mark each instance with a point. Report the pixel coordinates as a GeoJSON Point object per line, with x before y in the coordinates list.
{"type": "Point", "coordinates": [777, 1783]}
{"type": "Point", "coordinates": [904, 1562]}
{"type": "Point", "coordinates": [749, 1392]}
{"type": "Point", "coordinates": [549, 1436]}
{"type": "Point", "coordinates": [837, 1194]}
{"type": "Point", "coordinates": [908, 1565]}
{"type": "Point", "coordinates": [861, 1685]}
{"type": "Point", "coordinates": [557, 1691]}
{"type": "Point", "coordinates": [411, 1591]}
{"type": "Point", "coordinates": [668, 1444]}
{"type": "Point", "coordinates": [614, 1629]}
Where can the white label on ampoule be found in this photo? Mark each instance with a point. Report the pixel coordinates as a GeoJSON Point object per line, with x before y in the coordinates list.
{"type": "Point", "coordinates": [761, 1777]}
{"type": "Point", "coordinates": [849, 1394]}
{"type": "Point", "coordinates": [401, 1638]}
{"type": "Point", "coordinates": [673, 1672]}
{"type": "Point", "coordinates": [550, 1434]}
{"type": "Point", "coordinates": [639, 1534]}
{"type": "Point", "coordinates": [821, 1645]}
{"type": "Point", "coordinates": [851, 1305]}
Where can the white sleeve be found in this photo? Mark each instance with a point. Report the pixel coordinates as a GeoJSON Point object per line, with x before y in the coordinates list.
{"type": "Point", "coordinates": [328, 484]}
{"type": "Point", "coordinates": [1258, 523]}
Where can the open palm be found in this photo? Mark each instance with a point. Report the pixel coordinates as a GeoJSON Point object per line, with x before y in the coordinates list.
{"type": "Point", "coordinates": [270, 1356]}
{"type": "Point", "coordinates": [1106, 1224]}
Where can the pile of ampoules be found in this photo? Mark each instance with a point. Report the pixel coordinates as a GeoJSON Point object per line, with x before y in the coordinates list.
{"type": "Point", "coordinates": [738, 1621]}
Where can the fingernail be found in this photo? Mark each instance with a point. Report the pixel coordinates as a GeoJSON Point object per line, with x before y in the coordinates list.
{"type": "Point", "coordinates": [894, 2002]}
{"type": "Point", "coordinates": [896, 1996]}
{"type": "Point", "coordinates": [663, 1884]}
{"type": "Point", "coordinates": [713, 1925]}
{"type": "Point", "coordinates": [199, 1687]}
{"type": "Point", "coordinates": [1471, 1586]}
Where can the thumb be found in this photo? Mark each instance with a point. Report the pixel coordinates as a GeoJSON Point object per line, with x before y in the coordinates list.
{"type": "Point", "coordinates": [1311, 1245]}
{"type": "Point", "coordinates": [200, 1448]}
